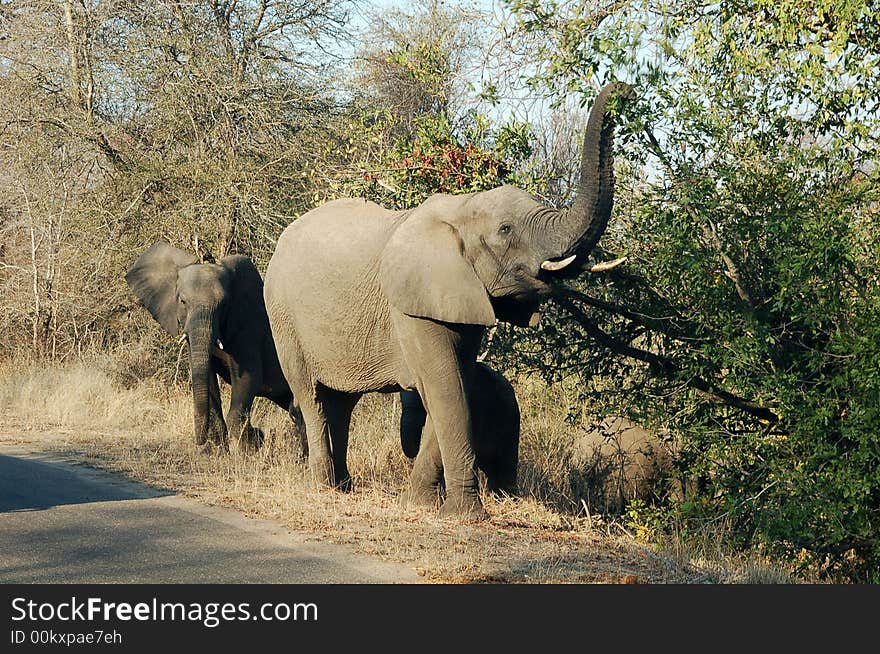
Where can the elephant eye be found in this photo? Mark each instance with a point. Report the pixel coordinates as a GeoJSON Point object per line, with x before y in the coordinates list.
{"type": "Point", "coordinates": [505, 229]}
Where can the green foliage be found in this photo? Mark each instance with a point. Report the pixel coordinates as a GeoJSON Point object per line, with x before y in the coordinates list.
{"type": "Point", "coordinates": [747, 200]}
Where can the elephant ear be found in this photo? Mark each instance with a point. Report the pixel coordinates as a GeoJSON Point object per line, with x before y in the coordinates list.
{"type": "Point", "coordinates": [246, 308]}
{"type": "Point", "coordinates": [424, 271]}
{"type": "Point", "coordinates": [153, 278]}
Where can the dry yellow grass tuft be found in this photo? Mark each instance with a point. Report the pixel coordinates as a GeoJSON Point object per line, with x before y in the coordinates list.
{"type": "Point", "coordinates": [80, 394]}
{"type": "Point", "coordinates": [144, 430]}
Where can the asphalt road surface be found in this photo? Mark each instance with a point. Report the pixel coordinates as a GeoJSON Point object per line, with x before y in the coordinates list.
{"type": "Point", "coordinates": [63, 522]}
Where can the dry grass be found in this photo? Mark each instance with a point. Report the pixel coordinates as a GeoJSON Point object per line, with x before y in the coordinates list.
{"type": "Point", "coordinates": [144, 430]}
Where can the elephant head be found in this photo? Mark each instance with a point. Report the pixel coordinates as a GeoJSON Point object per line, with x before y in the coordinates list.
{"type": "Point", "coordinates": [209, 304]}
{"type": "Point", "coordinates": [494, 254]}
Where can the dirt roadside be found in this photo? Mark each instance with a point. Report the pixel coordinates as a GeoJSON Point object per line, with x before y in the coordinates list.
{"type": "Point", "coordinates": [523, 542]}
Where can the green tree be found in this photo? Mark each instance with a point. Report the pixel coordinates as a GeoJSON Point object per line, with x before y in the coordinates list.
{"type": "Point", "coordinates": [747, 199]}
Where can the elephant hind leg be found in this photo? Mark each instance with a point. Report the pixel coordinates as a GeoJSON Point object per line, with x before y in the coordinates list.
{"type": "Point", "coordinates": [338, 407]}
{"type": "Point", "coordinates": [318, 436]}
{"type": "Point", "coordinates": [307, 410]}
{"type": "Point", "coordinates": [327, 416]}
{"type": "Point", "coordinates": [299, 428]}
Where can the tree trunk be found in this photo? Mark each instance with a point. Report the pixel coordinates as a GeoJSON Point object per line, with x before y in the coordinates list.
{"type": "Point", "coordinates": [73, 54]}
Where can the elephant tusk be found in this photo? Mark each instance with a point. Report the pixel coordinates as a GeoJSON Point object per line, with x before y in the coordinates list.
{"type": "Point", "coordinates": [182, 339]}
{"type": "Point", "coordinates": [607, 265]}
{"type": "Point", "coordinates": [553, 266]}
{"type": "Point", "coordinates": [219, 343]}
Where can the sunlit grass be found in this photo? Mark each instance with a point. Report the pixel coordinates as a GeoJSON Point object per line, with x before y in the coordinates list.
{"type": "Point", "coordinates": [549, 533]}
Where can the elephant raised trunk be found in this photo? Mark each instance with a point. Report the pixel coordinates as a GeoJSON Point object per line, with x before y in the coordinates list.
{"type": "Point", "coordinates": [580, 228]}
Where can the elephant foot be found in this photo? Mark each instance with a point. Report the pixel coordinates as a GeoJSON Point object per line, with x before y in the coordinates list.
{"type": "Point", "coordinates": [211, 447]}
{"type": "Point", "coordinates": [421, 497]}
{"type": "Point", "coordinates": [251, 440]}
{"type": "Point", "coordinates": [322, 474]}
{"type": "Point", "coordinates": [467, 508]}
{"type": "Point", "coordinates": [208, 441]}
{"type": "Point", "coordinates": [345, 484]}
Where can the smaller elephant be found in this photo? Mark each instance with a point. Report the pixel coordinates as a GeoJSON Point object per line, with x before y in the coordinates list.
{"type": "Point", "coordinates": [219, 309]}
{"type": "Point", "coordinates": [496, 417]}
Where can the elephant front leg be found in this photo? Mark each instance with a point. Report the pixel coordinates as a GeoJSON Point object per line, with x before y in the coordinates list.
{"type": "Point", "coordinates": [238, 419]}
{"type": "Point", "coordinates": [426, 478]}
{"type": "Point", "coordinates": [460, 478]}
{"type": "Point", "coordinates": [442, 357]}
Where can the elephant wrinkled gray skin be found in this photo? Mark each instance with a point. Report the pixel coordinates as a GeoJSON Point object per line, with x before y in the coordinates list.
{"type": "Point", "coordinates": [219, 308]}
{"type": "Point", "coordinates": [364, 299]}
{"type": "Point", "coordinates": [495, 422]}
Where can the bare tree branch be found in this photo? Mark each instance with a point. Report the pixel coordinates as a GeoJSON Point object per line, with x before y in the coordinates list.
{"type": "Point", "coordinates": [665, 326]}
{"type": "Point", "coordinates": [666, 367]}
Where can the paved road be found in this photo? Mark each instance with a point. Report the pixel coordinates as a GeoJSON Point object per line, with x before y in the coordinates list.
{"type": "Point", "coordinates": [62, 522]}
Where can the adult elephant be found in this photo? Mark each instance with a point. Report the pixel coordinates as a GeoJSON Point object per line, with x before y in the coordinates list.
{"type": "Point", "coordinates": [364, 299]}
{"type": "Point", "coordinates": [219, 309]}
{"type": "Point", "coordinates": [495, 421]}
